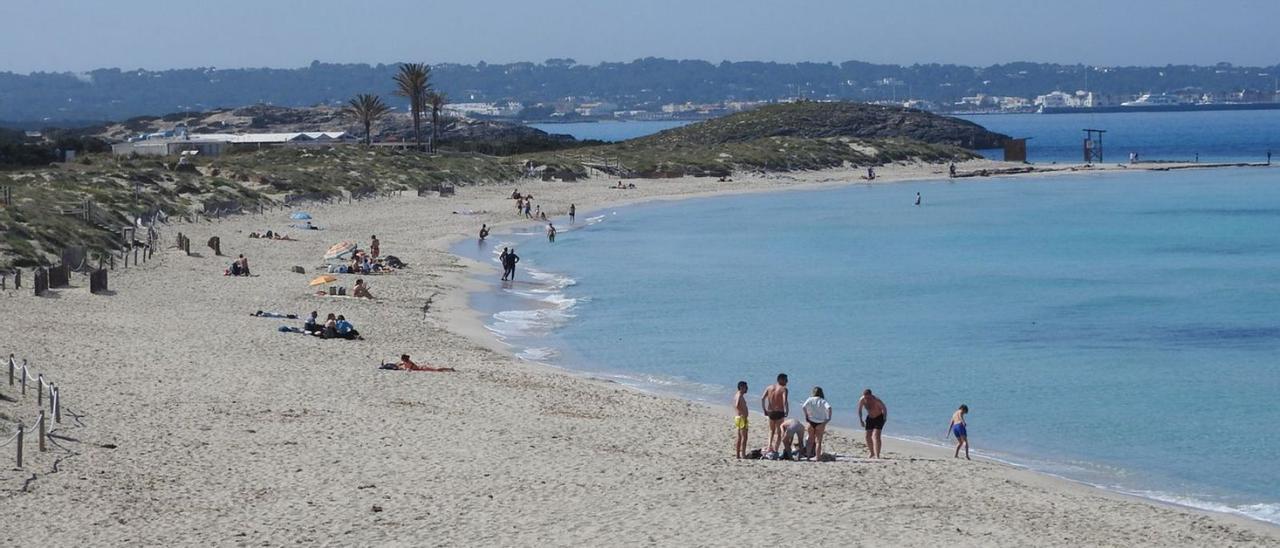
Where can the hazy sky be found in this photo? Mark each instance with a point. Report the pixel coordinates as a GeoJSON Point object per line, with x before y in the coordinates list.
{"type": "Point", "coordinates": [57, 35]}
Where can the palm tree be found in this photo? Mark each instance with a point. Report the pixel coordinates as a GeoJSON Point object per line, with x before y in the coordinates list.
{"type": "Point", "coordinates": [366, 108]}
{"type": "Point", "coordinates": [413, 82]}
{"type": "Point", "coordinates": [437, 100]}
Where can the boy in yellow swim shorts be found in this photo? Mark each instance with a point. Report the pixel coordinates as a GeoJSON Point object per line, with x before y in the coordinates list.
{"type": "Point", "coordinates": [740, 419]}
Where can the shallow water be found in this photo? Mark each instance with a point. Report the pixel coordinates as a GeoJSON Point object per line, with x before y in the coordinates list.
{"type": "Point", "coordinates": [1118, 329]}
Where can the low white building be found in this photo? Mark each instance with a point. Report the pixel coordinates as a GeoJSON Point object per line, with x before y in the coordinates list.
{"type": "Point", "coordinates": [215, 144]}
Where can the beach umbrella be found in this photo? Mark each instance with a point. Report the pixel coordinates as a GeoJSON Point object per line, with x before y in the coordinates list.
{"type": "Point", "coordinates": [300, 216]}
{"type": "Point", "coordinates": [340, 251]}
{"type": "Point", "coordinates": [326, 279]}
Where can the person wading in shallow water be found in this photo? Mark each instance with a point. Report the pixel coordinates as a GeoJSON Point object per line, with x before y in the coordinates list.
{"type": "Point", "coordinates": [573, 212]}
{"type": "Point", "coordinates": [509, 264]}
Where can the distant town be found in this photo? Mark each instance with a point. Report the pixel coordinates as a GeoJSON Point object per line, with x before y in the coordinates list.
{"type": "Point", "coordinates": [643, 89]}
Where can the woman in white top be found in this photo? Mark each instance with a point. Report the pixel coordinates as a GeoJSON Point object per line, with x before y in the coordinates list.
{"type": "Point", "coordinates": [818, 413]}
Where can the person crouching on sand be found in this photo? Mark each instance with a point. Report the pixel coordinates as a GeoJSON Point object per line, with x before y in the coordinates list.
{"type": "Point", "coordinates": [407, 364]}
{"type": "Point", "coordinates": [740, 422]}
{"type": "Point", "coordinates": [960, 430]}
{"type": "Point", "coordinates": [793, 439]}
{"type": "Point", "coordinates": [776, 406]}
{"type": "Point", "coordinates": [818, 413]}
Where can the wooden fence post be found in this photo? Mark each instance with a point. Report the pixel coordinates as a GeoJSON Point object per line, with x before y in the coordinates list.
{"type": "Point", "coordinates": [57, 405]}
{"type": "Point", "coordinates": [24, 378]}
{"type": "Point", "coordinates": [135, 256]}
{"type": "Point", "coordinates": [40, 390]}
{"type": "Point", "coordinates": [17, 278]}
{"type": "Point", "coordinates": [12, 366]}
{"type": "Point", "coordinates": [43, 428]}
{"type": "Point", "coordinates": [20, 432]}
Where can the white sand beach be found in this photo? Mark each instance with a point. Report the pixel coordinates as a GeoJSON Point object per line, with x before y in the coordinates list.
{"type": "Point", "coordinates": [200, 424]}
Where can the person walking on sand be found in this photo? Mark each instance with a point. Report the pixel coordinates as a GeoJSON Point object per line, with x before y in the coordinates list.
{"type": "Point", "coordinates": [374, 246]}
{"type": "Point", "coordinates": [573, 212]}
{"type": "Point", "coordinates": [502, 259]}
{"type": "Point", "coordinates": [551, 232]}
{"type": "Point", "coordinates": [877, 414]}
{"type": "Point", "coordinates": [528, 209]}
{"type": "Point", "coordinates": [740, 422]}
{"type": "Point", "coordinates": [776, 404]}
{"type": "Point", "coordinates": [917, 198]}
{"type": "Point", "coordinates": [960, 430]}
{"type": "Point", "coordinates": [817, 412]}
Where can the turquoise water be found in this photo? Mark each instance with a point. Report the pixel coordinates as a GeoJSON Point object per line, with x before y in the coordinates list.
{"type": "Point", "coordinates": [1118, 329]}
{"type": "Point", "coordinates": [610, 130]}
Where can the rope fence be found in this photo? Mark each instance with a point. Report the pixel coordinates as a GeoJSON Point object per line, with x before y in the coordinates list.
{"type": "Point", "coordinates": [20, 376]}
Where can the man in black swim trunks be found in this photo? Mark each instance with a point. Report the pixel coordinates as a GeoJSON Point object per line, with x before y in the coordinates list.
{"type": "Point", "coordinates": [776, 406]}
{"type": "Point", "coordinates": [510, 265]}
{"type": "Point", "coordinates": [877, 415]}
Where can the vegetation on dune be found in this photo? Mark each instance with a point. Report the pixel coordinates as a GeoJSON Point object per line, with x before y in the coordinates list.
{"type": "Point", "coordinates": [804, 136]}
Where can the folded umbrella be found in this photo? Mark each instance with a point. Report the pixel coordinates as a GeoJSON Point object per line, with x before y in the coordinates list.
{"type": "Point", "coordinates": [323, 280]}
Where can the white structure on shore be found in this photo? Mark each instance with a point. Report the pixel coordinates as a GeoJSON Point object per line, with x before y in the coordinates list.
{"type": "Point", "coordinates": [214, 144]}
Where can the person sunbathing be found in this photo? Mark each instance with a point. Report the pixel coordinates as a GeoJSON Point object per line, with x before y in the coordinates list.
{"type": "Point", "coordinates": [361, 290]}
{"type": "Point", "coordinates": [407, 364]}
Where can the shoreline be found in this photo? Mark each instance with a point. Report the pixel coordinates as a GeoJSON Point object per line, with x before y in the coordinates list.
{"type": "Point", "coordinates": [915, 446]}
{"type": "Point", "coordinates": [224, 431]}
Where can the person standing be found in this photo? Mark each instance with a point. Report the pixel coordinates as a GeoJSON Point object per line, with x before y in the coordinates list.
{"type": "Point", "coordinates": [502, 259]}
{"type": "Point", "coordinates": [817, 411]}
{"type": "Point", "coordinates": [877, 414]}
{"type": "Point", "coordinates": [960, 430]}
{"type": "Point", "coordinates": [551, 232]}
{"type": "Point", "coordinates": [375, 246]}
{"type": "Point", "coordinates": [484, 231]}
{"type": "Point", "coordinates": [512, 259]}
{"type": "Point", "coordinates": [740, 422]}
{"type": "Point", "coordinates": [573, 210]}
{"type": "Point", "coordinates": [528, 209]}
{"type": "Point", "coordinates": [917, 198]}
{"type": "Point", "coordinates": [776, 406]}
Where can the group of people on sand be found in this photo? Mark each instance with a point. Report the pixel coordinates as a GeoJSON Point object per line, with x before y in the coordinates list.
{"type": "Point", "coordinates": [789, 438]}
{"type": "Point", "coordinates": [620, 186]}
{"type": "Point", "coordinates": [333, 327]}
{"type": "Point", "coordinates": [269, 235]}
{"type": "Point", "coordinates": [239, 267]}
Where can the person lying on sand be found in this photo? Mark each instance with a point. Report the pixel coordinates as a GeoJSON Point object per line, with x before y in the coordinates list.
{"type": "Point", "coordinates": [407, 364]}
{"type": "Point", "coordinates": [262, 314]}
{"type": "Point", "coordinates": [361, 290]}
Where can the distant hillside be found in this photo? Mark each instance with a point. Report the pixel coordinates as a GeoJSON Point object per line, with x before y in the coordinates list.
{"type": "Point", "coordinates": [46, 98]}
{"type": "Point", "coordinates": [815, 120]}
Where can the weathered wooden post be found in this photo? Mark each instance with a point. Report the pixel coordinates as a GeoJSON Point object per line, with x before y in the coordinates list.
{"type": "Point", "coordinates": [43, 429]}
{"type": "Point", "coordinates": [98, 281]}
{"type": "Point", "coordinates": [12, 366]}
{"type": "Point", "coordinates": [57, 405]}
{"type": "Point", "coordinates": [20, 432]}
{"type": "Point", "coordinates": [17, 278]}
{"type": "Point", "coordinates": [135, 256]}
{"type": "Point", "coordinates": [40, 390]}
{"type": "Point", "coordinates": [215, 243]}
{"type": "Point", "coordinates": [24, 378]}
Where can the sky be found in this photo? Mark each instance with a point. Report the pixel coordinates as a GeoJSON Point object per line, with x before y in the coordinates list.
{"type": "Point", "coordinates": [80, 35]}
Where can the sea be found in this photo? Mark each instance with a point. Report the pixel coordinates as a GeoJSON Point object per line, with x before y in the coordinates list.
{"type": "Point", "coordinates": [1116, 329]}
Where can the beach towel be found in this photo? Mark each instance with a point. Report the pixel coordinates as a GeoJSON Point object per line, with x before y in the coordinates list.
{"type": "Point", "coordinates": [389, 366]}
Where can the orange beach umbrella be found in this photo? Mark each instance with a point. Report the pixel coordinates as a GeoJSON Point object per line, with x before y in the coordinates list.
{"type": "Point", "coordinates": [326, 279]}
